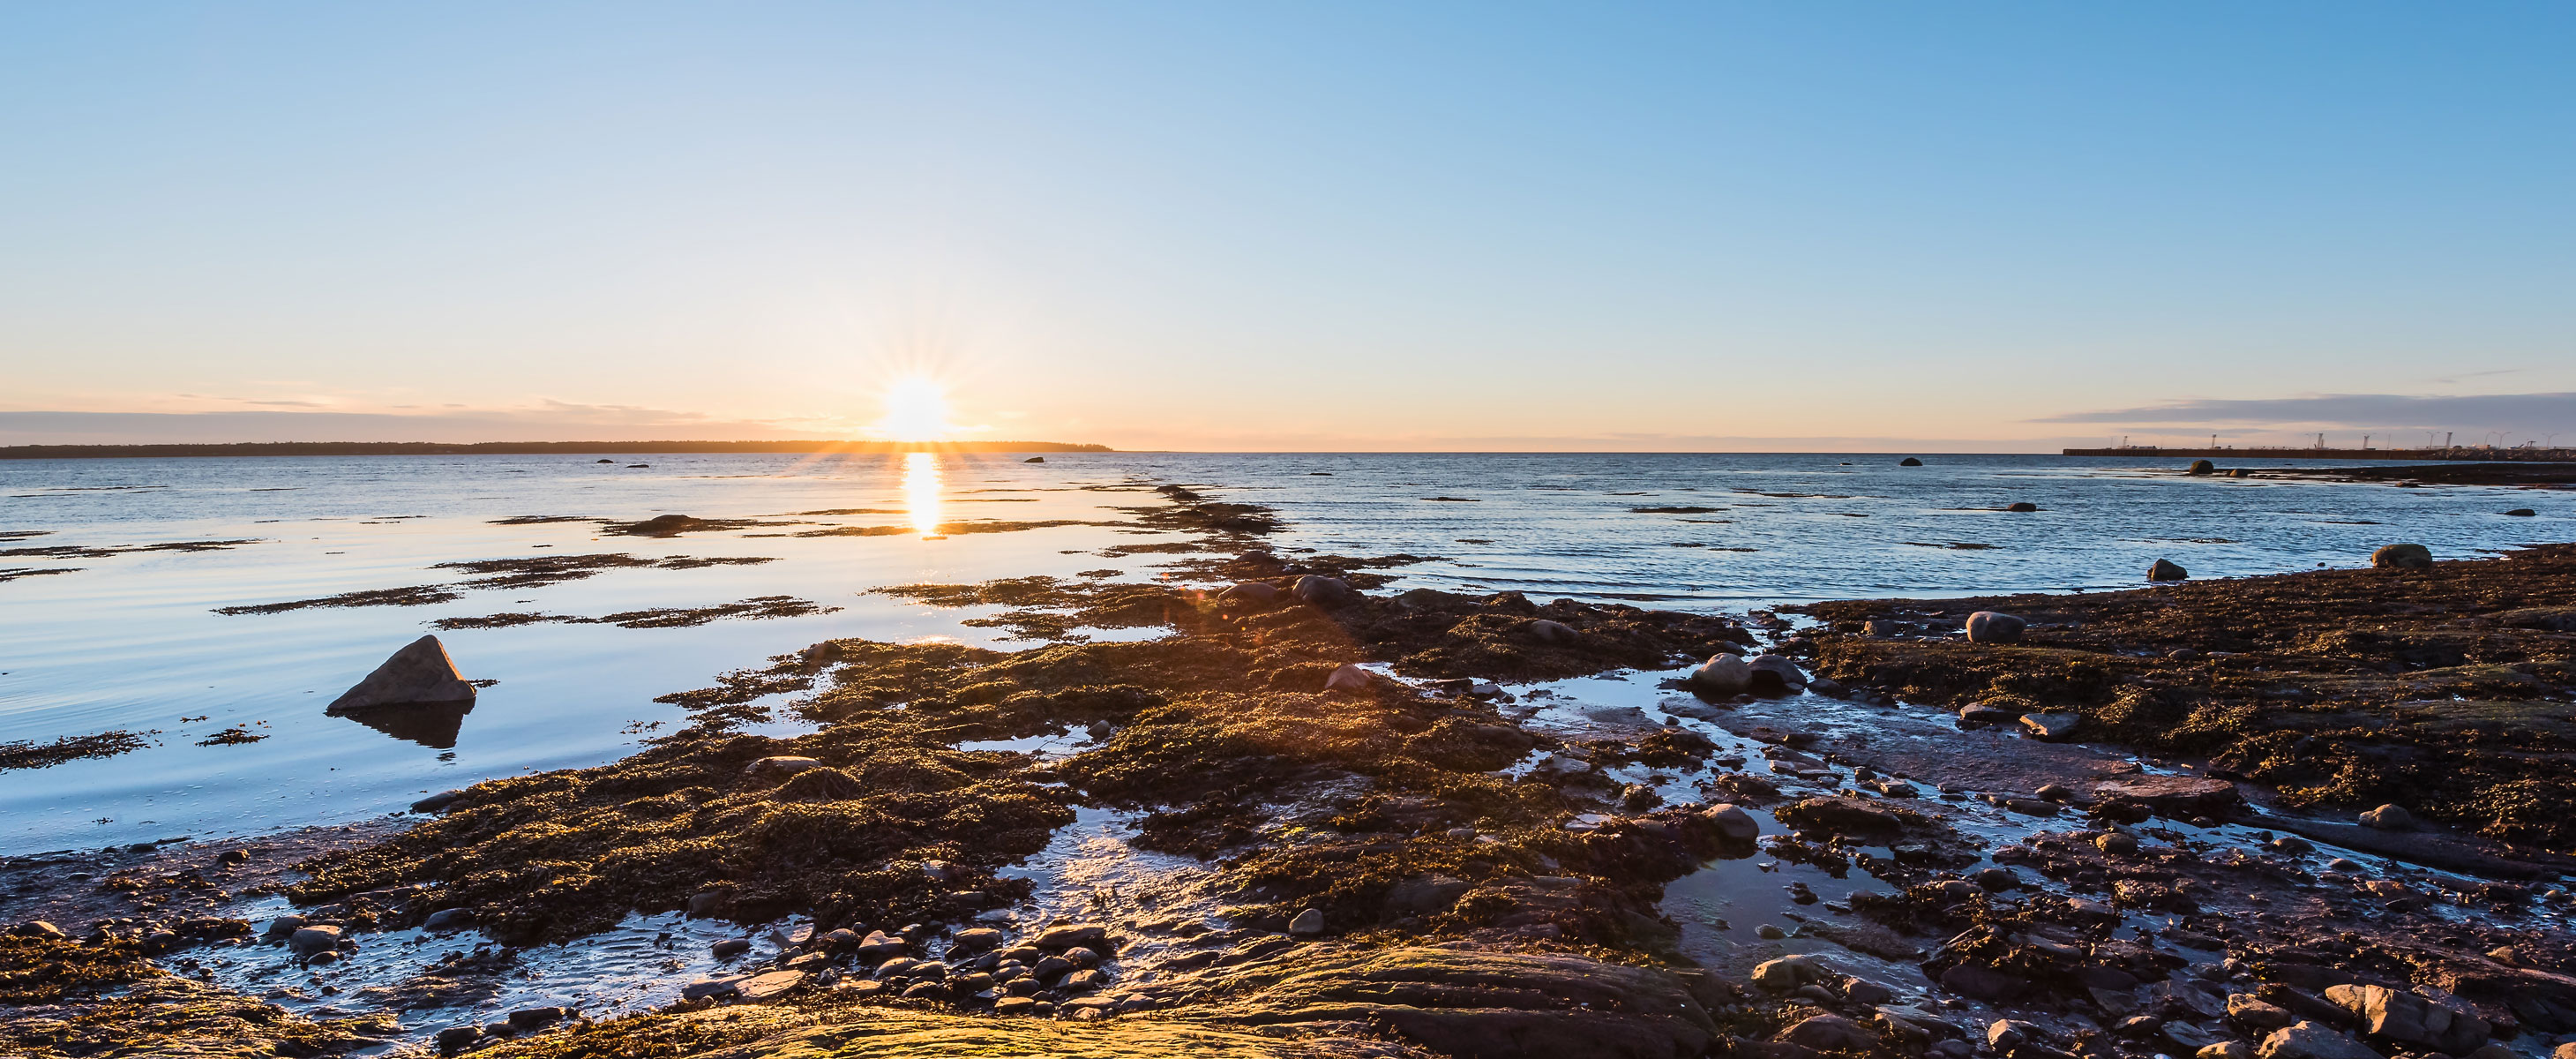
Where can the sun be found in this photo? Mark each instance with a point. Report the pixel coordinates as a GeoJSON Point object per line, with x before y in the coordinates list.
{"type": "Point", "coordinates": [916, 409]}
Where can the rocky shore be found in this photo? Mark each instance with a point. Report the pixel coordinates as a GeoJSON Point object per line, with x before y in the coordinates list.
{"type": "Point", "coordinates": [2314, 816]}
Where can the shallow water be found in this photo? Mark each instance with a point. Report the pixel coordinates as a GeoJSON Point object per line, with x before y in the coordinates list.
{"type": "Point", "coordinates": [130, 640]}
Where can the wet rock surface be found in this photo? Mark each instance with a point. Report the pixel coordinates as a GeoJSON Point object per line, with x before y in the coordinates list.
{"type": "Point", "coordinates": [2342, 688]}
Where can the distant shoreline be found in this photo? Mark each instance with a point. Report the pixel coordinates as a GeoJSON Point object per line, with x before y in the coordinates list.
{"type": "Point", "coordinates": [521, 448]}
{"type": "Point", "coordinates": [2480, 454]}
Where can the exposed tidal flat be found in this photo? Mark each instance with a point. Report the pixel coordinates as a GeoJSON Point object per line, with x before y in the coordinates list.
{"type": "Point", "coordinates": [1132, 754]}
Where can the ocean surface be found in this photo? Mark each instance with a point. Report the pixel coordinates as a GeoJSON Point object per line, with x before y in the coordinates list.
{"type": "Point", "coordinates": [105, 628]}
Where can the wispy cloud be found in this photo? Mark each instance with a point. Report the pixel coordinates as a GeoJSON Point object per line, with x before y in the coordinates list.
{"type": "Point", "coordinates": [2517, 411]}
{"type": "Point", "coordinates": [2449, 380]}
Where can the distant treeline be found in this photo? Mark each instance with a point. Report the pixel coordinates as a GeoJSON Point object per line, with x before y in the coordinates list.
{"type": "Point", "coordinates": [431, 448]}
{"type": "Point", "coordinates": [2479, 453]}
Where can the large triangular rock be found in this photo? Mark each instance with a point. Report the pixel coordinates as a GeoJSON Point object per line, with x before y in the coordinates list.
{"type": "Point", "coordinates": [419, 673]}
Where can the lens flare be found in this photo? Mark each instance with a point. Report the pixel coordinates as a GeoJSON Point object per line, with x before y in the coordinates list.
{"type": "Point", "coordinates": [921, 493]}
{"type": "Point", "coordinates": [916, 409]}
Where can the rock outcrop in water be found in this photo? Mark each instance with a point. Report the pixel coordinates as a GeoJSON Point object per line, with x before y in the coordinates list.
{"type": "Point", "coordinates": [419, 673]}
{"type": "Point", "coordinates": [416, 695]}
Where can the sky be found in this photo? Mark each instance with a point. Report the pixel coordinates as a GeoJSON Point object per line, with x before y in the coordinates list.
{"type": "Point", "coordinates": [1292, 226]}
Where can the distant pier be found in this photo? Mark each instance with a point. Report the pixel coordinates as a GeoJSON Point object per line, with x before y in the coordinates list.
{"type": "Point", "coordinates": [2478, 454]}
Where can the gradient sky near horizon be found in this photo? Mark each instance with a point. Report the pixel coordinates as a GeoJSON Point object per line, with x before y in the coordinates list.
{"type": "Point", "coordinates": [1291, 226]}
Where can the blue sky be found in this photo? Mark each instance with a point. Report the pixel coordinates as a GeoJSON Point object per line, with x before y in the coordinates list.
{"type": "Point", "coordinates": [1308, 225]}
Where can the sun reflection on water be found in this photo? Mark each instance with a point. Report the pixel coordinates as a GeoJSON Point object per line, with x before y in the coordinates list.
{"type": "Point", "coordinates": [921, 493]}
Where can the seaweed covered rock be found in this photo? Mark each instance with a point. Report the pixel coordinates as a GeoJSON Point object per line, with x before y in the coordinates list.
{"type": "Point", "coordinates": [1323, 591]}
{"type": "Point", "coordinates": [558, 855]}
{"type": "Point", "coordinates": [1988, 626]}
{"type": "Point", "coordinates": [2402, 557]}
{"type": "Point", "coordinates": [1460, 1001]}
{"type": "Point", "coordinates": [1249, 595]}
{"type": "Point", "coordinates": [819, 785]}
{"type": "Point", "coordinates": [844, 1031]}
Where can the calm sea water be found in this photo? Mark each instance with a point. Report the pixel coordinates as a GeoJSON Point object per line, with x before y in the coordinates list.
{"type": "Point", "coordinates": [130, 640]}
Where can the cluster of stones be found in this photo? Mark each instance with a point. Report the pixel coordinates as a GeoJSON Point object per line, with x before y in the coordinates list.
{"type": "Point", "coordinates": [1856, 1015]}
{"type": "Point", "coordinates": [1048, 974]}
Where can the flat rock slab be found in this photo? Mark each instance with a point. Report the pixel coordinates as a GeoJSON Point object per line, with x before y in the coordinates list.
{"type": "Point", "coordinates": [1471, 1002]}
{"type": "Point", "coordinates": [2172, 795]}
{"type": "Point", "coordinates": [1929, 745]}
{"type": "Point", "coordinates": [2429, 848]}
{"type": "Point", "coordinates": [769, 986]}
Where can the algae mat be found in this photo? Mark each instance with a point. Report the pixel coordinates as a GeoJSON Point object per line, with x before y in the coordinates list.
{"type": "Point", "coordinates": [890, 1034]}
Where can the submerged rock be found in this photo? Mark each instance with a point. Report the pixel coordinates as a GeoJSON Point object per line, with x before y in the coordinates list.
{"type": "Point", "coordinates": [1989, 626]}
